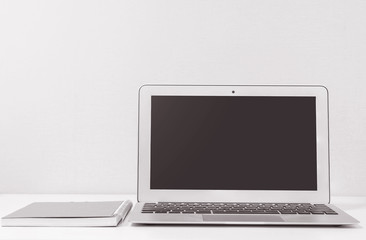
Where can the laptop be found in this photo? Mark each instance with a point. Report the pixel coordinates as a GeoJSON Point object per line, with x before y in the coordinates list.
{"type": "Point", "coordinates": [234, 155]}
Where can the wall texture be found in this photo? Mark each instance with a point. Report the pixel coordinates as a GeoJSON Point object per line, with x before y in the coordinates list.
{"type": "Point", "coordinates": [70, 73]}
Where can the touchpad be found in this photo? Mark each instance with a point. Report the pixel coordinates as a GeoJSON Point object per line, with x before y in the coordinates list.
{"type": "Point", "coordinates": [242, 218]}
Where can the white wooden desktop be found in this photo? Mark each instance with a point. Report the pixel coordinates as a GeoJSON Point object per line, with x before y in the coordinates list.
{"type": "Point", "coordinates": [356, 206]}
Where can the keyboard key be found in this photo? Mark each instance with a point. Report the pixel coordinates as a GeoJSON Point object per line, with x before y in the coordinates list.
{"type": "Point", "coordinates": [245, 212]}
{"type": "Point", "coordinates": [188, 212]}
{"type": "Point", "coordinates": [250, 208]}
{"type": "Point", "coordinates": [303, 212]}
{"type": "Point", "coordinates": [218, 211]}
{"type": "Point", "coordinates": [287, 212]}
{"type": "Point", "coordinates": [331, 213]}
{"type": "Point", "coordinates": [203, 212]}
{"type": "Point", "coordinates": [147, 211]}
{"type": "Point", "coordinates": [317, 212]}
{"type": "Point", "coordinates": [171, 212]}
{"type": "Point", "coordinates": [258, 211]}
{"type": "Point", "coordinates": [272, 212]}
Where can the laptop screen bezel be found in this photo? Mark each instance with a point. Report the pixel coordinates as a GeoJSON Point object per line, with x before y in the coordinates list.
{"type": "Point", "coordinates": [145, 194]}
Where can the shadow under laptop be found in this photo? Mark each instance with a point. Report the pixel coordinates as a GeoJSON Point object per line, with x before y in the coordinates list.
{"type": "Point", "coordinates": [351, 226]}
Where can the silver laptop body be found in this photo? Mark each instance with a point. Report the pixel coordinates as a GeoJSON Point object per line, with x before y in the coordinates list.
{"type": "Point", "coordinates": [234, 155]}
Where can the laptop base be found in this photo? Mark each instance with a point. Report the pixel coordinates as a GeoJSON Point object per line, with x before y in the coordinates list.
{"type": "Point", "coordinates": [240, 219]}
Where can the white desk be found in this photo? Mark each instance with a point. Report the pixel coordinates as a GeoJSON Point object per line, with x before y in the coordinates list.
{"type": "Point", "coordinates": [356, 206]}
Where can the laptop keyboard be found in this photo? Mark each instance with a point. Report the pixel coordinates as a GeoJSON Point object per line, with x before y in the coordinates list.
{"type": "Point", "coordinates": [236, 208]}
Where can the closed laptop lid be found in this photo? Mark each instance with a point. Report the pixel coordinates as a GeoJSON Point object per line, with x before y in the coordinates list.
{"type": "Point", "coordinates": [67, 210]}
{"type": "Point", "coordinates": [233, 143]}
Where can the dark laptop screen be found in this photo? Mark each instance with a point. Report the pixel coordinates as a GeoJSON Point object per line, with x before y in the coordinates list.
{"type": "Point", "coordinates": [233, 143]}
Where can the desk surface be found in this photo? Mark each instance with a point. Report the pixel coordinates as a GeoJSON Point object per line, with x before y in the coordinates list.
{"type": "Point", "coordinates": [355, 206]}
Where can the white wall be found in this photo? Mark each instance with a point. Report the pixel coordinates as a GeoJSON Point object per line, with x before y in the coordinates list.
{"type": "Point", "coordinates": [70, 72]}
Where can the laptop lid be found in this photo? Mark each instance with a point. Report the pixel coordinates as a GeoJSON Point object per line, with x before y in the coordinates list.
{"type": "Point", "coordinates": [233, 143]}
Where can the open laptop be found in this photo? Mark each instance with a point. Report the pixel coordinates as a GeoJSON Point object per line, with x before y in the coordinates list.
{"type": "Point", "coordinates": [234, 155]}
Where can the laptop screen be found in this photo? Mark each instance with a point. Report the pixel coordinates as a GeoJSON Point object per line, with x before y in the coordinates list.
{"type": "Point", "coordinates": [233, 143]}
